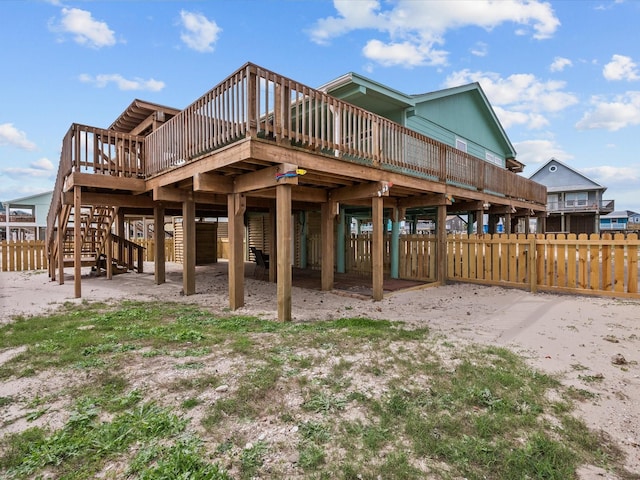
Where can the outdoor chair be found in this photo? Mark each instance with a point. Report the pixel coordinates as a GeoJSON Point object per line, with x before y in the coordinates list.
{"type": "Point", "coordinates": [262, 263]}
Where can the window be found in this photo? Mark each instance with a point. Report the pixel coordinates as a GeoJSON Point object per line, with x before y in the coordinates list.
{"type": "Point", "coordinates": [553, 168]}
{"type": "Point", "coordinates": [576, 199]}
{"type": "Point", "coordinates": [461, 144]}
{"type": "Point", "coordinates": [495, 159]}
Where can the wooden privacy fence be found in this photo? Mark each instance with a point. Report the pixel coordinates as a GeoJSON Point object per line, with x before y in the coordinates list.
{"type": "Point", "coordinates": [25, 255]}
{"type": "Point", "coordinates": [150, 250]}
{"type": "Point", "coordinates": [585, 264]}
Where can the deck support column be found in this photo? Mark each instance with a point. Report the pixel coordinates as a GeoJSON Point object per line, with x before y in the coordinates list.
{"type": "Point", "coordinates": [479, 222]}
{"type": "Point", "coordinates": [341, 243]}
{"type": "Point", "coordinates": [507, 223]}
{"type": "Point", "coordinates": [441, 245]}
{"type": "Point", "coordinates": [159, 258]}
{"type": "Point", "coordinates": [108, 245]}
{"type": "Point", "coordinates": [77, 241]}
{"type": "Point", "coordinates": [273, 243]}
{"type": "Point", "coordinates": [395, 243]}
{"type": "Point", "coordinates": [304, 233]}
{"type": "Point", "coordinates": [327, 214]}
{"type": "Point", "coordinates": [377, 255]}
{"type": "Point", "coordinates": [61, 229]}
{"type": "Point", "coordinates": [120, 232]}
{"type": "Point", "coordinates": [283, 228]}
{"type": "Point", "coordinates": [236, 205]}
{"type": "Point", "coordinates": [189, 253]}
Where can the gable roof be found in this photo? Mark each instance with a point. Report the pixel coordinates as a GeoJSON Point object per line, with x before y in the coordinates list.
{"type": "Point", "coordinates": [557, 176]}
{"type": "Point", "coordinates": [378, 98]}
{"type": "Point", "coordinates": [620, 214]}
{"type": "Point", "coordinates": [37, 199]}
{"type": "Point", "coordinates": [138, 112]}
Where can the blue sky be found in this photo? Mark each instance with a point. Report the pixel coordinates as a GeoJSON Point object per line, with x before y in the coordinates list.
{"type": "Point", "coordinates": [562, 76]}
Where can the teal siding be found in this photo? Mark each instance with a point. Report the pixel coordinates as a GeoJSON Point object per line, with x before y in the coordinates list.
{"type": "Point", "coordinates": [467, 116]}
{"type": "Point", "coordinates": [437, 132]}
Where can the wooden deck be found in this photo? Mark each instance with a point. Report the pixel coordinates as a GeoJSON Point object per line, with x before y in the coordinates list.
{"type": "Point", "coordinates": [244, 146]}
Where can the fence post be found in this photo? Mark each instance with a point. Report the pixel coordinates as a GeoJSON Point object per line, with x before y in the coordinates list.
{"type": "Point", "coordinates": [533, 268]}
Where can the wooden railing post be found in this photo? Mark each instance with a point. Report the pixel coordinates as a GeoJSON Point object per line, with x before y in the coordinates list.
{"type": "Point", "coordinates": [252, 98]}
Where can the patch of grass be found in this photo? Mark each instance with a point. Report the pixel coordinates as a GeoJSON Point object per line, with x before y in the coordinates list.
{"type": "Point", "coordinates": [251, 459]}
{"type": "Point", "coordinates": [361, 399]}
{"type": "Point", "coordinates": [80, 447]}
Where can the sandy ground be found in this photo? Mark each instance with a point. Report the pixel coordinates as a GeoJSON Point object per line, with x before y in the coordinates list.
{"type": "Point", "coordinates": [590, 343]}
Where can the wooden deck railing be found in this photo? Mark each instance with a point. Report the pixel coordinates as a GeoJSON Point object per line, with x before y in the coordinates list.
{"type": "Point", "coordinates": [259, 103]}
{"type": "Point", "coordinates": [96, 151]}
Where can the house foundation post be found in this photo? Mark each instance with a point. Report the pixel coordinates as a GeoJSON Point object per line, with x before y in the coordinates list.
{"type": "Point", "coordinates": [189, 253]}
{"type": "Point", "coordinates": [283, 228]}
{"type": "Point", "coordinates": [159, 258]}
{"type": "Point", "coordinates": [77, 241]}
{"type": "Point", "coordinates": [304, 234]}
{"type": "Point", "coordinates": [441, 245]}
{"type": "Point", "coordinates": [60, 232]}
{"type": "Point", "coordinates": [377, 250]}
{"type": "Point", "coordinates": [327, 214]}
{"type": "Point", "coordinates": [340, 242]}
{"type": "Point", "coordinates": [236, 205]}
{"type": "Point", "coordinates": [395, 243]}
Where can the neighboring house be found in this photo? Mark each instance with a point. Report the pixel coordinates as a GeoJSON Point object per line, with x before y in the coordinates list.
{"type": "Point", "coordinates": [620, 221]}
{"type": "Point", "coordinates": [25, 218]}
{"type": "Point", "coordinates": [285, 163]}
{"type": "Point", "coordinates": [574, 201]}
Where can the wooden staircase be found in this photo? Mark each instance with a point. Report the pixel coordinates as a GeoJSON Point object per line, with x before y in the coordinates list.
{"type": "Point", "coordinates": [95, 224]}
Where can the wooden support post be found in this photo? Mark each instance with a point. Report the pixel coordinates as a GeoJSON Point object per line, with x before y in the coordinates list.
{"type": "Point", "coordinates": [327, 213]}
{"type": "Point", "coordinates": [340, 243]}
{"type": "Point", "coordinates": [507, 223]}
{"type": "Point", "coordinates": [109, 248]}
{"type": "Point", "coordinates": [189, 244]}
{"type": "Point", "coordinates": [377, 255]}
{"type": "Point", "coordinates": [395, 244]}
{"type": "Point", "coordinates": [61, 231]}
{"type": "Point", "coordinates": [283, 228]}
{"type": "Point", "coordinates": [77, 241]}
{"type": "Point", "coordinates": [273, 243]}
{"type": "Point", "coordinates": [533, 268]}
{"type": "Point", "coordinates": [159, 259]}
{"type": "Point", "coordinates": [479, 222]}
{"type": "Point", "coordinates": [441, 245]}
{"type": "Point", "coordinates": [304, 233]}
{"type": "Point", "coordinates": [236, 205]}
{"type": "Point", "coordinates": [120, 232]}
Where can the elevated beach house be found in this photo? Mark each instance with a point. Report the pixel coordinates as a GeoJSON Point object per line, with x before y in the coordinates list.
{"type": "Point", "coordinates": [574, 201]}
{"type": "Point", "coordinates": [261, 142]}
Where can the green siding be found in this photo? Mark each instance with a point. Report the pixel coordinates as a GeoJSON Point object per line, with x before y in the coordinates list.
{"type": "Point", "coordinates": [466, 115]}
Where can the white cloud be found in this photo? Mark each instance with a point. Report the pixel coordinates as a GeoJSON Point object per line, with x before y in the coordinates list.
{"type": "Point", "coordinates": [405, 54]}
{"type": "Point", "coordinates": [519, 98]}
{"type": "Point", "coordinates": [559, 64]}
{"type": "Point", "coordinates": [39, 168]}
{"type": "Point", "coordinates": [10, 135]}
{"type": "Point", "coordinates": [534, 152]}
{"type": "Point", "coordinates": [480, 49]}
{"type": "Point", "coordinates": [85, 29]}
{"type": "Point", "coordinates": [621, 68]}
{"type": "Point", "coordinates": [102, 80]}
{"type": "Point", "coordinates": [607, 173]}
{"type": "Point", "coordinates": [200, 33]}
{"type": "Point", "coordinates": [623, 111]}
{"type": "Point", "coordinates": [412, 30]}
